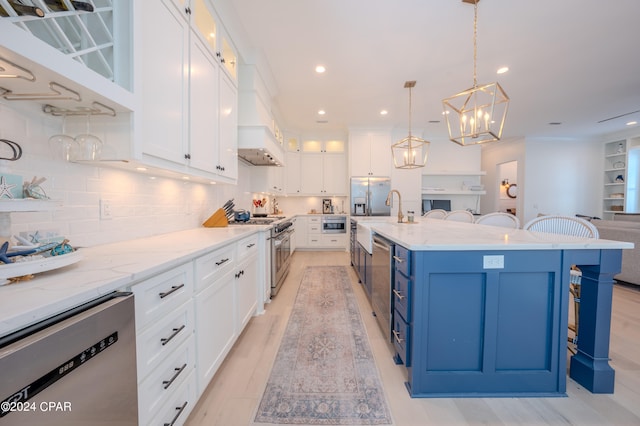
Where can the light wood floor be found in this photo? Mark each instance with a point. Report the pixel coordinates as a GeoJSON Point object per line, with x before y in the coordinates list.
{"type": "Point", "coordinates": [234, 393]}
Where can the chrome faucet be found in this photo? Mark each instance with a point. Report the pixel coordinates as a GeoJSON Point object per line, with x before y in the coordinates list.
{"type": "Point", "coordinates": [388, 203]}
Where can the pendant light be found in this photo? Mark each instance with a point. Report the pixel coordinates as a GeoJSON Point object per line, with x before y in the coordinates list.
{"type": "Point", "coordinates": [476, 115]}
{"type": "Point", "coordinates": [411, 152]}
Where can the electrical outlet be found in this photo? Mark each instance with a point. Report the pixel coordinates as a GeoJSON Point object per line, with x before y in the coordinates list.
{"type": "Point", "coordinates": [106, 212]}
{"type": "Point", "coordinates": [493, 262]}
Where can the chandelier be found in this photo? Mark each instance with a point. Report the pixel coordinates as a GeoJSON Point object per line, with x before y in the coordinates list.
{"type": "Point", "coordinates": [476, 115]}
{"type": "Point", "coordinates": [411, 152]}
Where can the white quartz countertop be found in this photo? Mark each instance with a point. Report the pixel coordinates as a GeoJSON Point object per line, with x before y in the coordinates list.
{"type": "Point", "coordinates": [107, 268]}
{"type": "Point", "coordinates": [437, 234]}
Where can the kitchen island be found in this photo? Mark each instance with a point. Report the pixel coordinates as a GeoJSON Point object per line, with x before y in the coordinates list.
{"type": "Point", "coordinates": [486, 309]}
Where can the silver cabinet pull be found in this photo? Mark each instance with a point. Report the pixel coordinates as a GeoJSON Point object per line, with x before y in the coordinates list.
{"type": "Point", "coordinates": [173, 289]}
{"type": "Point", "coordinates": [398, 259]}
{"type": "Point", "coordinates": [398, 294]}
{"type": "Point", "coordinates": [166, 340]}
{"type": "Point", "coordinates": [222, 261]}
{"type": "Point", "coordinates": [396, 335]}
{"type": "Point", "coordinates": [167, 383]}
{"type": "Point", "coordinates": [180, 410]}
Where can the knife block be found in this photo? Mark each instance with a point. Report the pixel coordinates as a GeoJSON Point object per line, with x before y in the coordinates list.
{"type": "Point", "coordinates": [216, 220]}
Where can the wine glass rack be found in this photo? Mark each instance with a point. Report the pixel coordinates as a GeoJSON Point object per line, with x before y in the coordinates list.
{"type": "Point", "coordinates": [87, 37]}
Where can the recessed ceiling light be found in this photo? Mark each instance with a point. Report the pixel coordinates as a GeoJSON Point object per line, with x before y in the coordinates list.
{"type": "Point", "coordinates": [502, 70]}
{"type": "Point", "coordinates": [321, 112]}
{"type": "Point", "coordinates": [141, 169]}
{"type": "Point", "coordinates": [632, 123]}
{"type": "Point", "coordinates": [320, 69]}
{"type": "Point", "coordinates": [384, 112]}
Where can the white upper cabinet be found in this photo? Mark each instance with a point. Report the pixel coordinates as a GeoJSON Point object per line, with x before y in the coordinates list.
{"type": "Point", "coordinates": [164, 83]}
{"type": "Point", "coordinates": [188, 119]}
{"type": "Point", "coordinates": [323, 167]}
{"type": "Point", "coordinates": [370, 153]}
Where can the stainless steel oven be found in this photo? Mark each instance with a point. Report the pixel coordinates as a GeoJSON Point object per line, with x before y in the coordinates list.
{"type": "Point", "coordinates": [334, 224]}
{"type": "Point", "coordinates": [77, 368]}
{"type": "Point", "coordinates": [281, 234]}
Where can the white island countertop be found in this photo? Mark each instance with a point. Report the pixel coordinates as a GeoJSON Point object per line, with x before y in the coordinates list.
{"type": "Point", "coordinates": [106, 268]}
{"type": "Point", "coordinates": [438, 235]}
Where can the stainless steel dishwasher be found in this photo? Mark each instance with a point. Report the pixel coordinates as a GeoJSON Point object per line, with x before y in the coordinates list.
{"type": "Point", "coordinates": [77, 368]}
{"type": "Point", "coordinates": [382, 276]}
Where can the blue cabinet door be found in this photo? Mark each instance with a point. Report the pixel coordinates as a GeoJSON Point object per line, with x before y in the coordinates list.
{"type": "Point", "coordinates": [481, 330]}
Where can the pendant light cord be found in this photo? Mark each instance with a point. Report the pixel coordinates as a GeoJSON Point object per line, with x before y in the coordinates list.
{"type": "Point", "coordinates": [475, 43]}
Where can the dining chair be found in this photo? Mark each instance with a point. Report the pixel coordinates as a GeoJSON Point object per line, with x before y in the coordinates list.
{"type": "Point", "coordinates": [506, 220]}
{"type": "Point", "coordinates": [567, 225]}
{"type": "Point", "coordinates": [435, 214]}
{"type": "Point", "coordinates": [460, 216]}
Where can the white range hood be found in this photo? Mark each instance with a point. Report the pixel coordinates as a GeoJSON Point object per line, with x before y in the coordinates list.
{"type": "Point", "coordinates": [257, 144]}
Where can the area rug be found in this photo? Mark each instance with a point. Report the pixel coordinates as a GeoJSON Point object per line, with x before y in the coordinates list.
{"type": "Point", "coordinates": [324, 372]}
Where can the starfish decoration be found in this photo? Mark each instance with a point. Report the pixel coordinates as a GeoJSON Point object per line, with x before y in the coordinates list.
{"type": "Point", "coordinates": [5, 189]}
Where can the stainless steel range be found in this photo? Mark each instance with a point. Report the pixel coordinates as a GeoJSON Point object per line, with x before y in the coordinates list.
{"type": "Point", "coordinates": [280, 247]}
{"type": "Point", "coordinates": [281, 234]}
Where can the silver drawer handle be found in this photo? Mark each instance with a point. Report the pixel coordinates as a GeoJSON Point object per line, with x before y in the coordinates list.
{"type": "Point", "coordinates": [180, 410]}
{"type": "Point", "coordinates": [222, 261]}
{"type": "Point", "coordinates": [166, 340]}
{"type": "Point", "coordinates": [398, 294]}
{"type": "Point", "coordinates": [173, 289]}
{"type": "Point", "coordinates": [396, 335]}
{"type": "Point", "coordinates": [398, 259]}
{"type": "Point", "coordinates": [167, 383]}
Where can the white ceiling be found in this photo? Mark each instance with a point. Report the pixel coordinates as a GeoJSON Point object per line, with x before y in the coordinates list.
{"type": "Point", "coordinates": [571, 61]}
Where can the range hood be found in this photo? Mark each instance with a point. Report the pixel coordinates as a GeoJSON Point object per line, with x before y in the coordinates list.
{"type": "Point", "coordinates": [257, 144]}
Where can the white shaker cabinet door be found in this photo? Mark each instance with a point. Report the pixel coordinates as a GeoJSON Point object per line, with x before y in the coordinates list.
{"type": "Point", "coordinates": [228, 139]}
{"type": "Point", "coordinates": [164, 83]}
{"type": "Point", "coordinates": [203, 140]}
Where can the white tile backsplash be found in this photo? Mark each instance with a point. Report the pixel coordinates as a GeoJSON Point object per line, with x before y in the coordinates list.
{"type": "Point", "coordinates": [141, 206]}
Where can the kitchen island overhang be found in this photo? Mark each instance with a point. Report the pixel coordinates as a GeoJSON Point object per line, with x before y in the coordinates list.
{"type": "Point", "coordinates": [489, 310]}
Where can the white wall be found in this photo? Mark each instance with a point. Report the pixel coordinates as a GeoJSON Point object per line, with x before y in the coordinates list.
{"type": "Point", "coordinates": [554, 176]}
{"type": "Point", "coordinates": [141, 206]}
{"type": "Point", "coordinates": [563, 177]}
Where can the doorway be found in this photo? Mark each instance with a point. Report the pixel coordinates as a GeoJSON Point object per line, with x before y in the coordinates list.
{"type": "Point", "coordinates": [507, 186]}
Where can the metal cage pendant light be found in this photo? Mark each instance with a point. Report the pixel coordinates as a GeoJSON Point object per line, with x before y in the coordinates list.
{"type": "Point", "coordinates": [476, 115]}
{"type": "Point", "coordinates": [411, 152]}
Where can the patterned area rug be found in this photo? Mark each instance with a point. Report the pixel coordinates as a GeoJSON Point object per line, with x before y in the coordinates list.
{"type": "Point", "coordinates": [324, 373]}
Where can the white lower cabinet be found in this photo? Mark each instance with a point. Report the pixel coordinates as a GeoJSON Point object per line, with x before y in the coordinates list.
{"type": "Point", "coordinates": [179, 404]}
{"type": "Point", "coordinates": [165, 325]}
{"type": "Point", "coordinates": [226, 300]}
{"type": "Point", "coordinates": [173, 371]}
{"type": "Point", "coordinates": [187, 320]}
{"type": "Point", "coordinates": [216, 330]}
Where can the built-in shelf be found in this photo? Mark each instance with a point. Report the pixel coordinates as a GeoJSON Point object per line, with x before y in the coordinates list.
{"type": "Point", "coordinates": [452, 192]}
{"type": "Point", "coordinates": [27, 205]}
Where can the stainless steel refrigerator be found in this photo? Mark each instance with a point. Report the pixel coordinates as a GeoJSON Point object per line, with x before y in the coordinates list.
{"type": "Point", "coordinates": [368, 196]}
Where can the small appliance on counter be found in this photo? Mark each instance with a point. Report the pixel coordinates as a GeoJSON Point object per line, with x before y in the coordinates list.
{"type": "Point", "coordinates": [241, 215]}
{"type": "Point", "coordinates": [327, 207]}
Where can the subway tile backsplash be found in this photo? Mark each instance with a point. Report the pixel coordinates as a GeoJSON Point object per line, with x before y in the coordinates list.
{"type": "Point", "coordinates": [140, 206]}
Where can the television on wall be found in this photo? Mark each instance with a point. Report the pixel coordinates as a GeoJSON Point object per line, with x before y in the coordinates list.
{"type": "Point", "coordinates": [428, 205]}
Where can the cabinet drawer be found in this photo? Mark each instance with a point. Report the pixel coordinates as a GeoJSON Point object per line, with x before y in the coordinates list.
{"type": "Point", "coordinates": [247, 247]}
{"type": "Point", "coordinates": [159, 295]}
{"type": "Point", "coordinates": [401, 334]}
{"type": "Point", "coordinates": [178, 406]}
{"type": "Point", "coordinates": [314, 220]}
{"type": "Point", "coordinates": [402, 258]}
{"type": "Point", "coordinates": [314, 228]}
{"type": "Point", "coordinates": [160, 340]}
{"type": "Point", "coordinates": [401, 296]}
{"type": "Point", "coordinates": [314, 240]}
{"type": "Point", "coordinates": [212, 266]}
{"type": "Point", "coordinates": [334, 240]}
{"type": "Point", "coordinates": [155, 390]}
